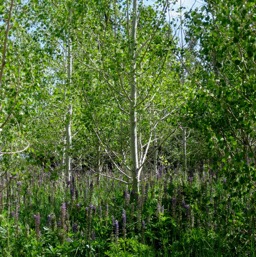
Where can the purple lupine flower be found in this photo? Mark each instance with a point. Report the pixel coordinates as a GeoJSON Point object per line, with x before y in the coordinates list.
{"type": "Point", "coordinates": [63, 215]}
{"type": "Point", "coordinates": [143, 223]}
{"type": "Point", "coordinates": [74, 228]}
{"type": "Point", "coordinates": [160, 171]}
{"type": "Point", "coordinates": [93, 236]}
{"type": "Point", "coordinates": [13, 214]}
{"type": "Point", "coordinates": [72, 193]}
{"type": "Point", "coordinates": [63, 209]}
{"type": "Point", "coordinates": [13, 177]}
{"type": "Point", "coordinates": [190, 179]}
{"type": "Point", "coordinates": [143, 226]}
{"type": "Point", "coordinates": [124, 223]}
{"type": "Point", "coordinates": [49, 220]}
{"type": "Point", "coordinates": [188, 212]}
{"type": "Point", "coordinates": [40, 179]}
{"type": "Point", "coordinates": [174, 202]}
{"type": "Point", "coordinates": [159, 208]}
{"type": "Point", "coordinates": [17, 211]}
{"type": "Point", "coordinates": [92, 207]}
{"type": "Point", "coordinates": [116, 229]}
{"type": "Point", "coordinates": [187, 206]}
{"type": "Point", "coordinates": [19, 183]}
{"type": "Point", "coordinates": [37, 224]}
{"type": "Point", "coordinates": [124, 218]}
{"type": "Point", "coordinates": [69, 240]}
{"type": "Point", "coordinates": [127, 198]}
{"type": "Point", "coordinates": [184, 205]}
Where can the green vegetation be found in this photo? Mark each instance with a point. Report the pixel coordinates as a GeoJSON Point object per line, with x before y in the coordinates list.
{"type": "Point", "coordinates": [197, 216]}
{"type": "Point", "coordinates": [120, 138]}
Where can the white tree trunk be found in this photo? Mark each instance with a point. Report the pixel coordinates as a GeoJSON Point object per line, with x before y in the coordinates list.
{"type": "Point", "coordinates": [68, 144]}
{"type": "Point", "coordinates": [68, 160]}
{"type": "Point", "coordinates": [133, 100]}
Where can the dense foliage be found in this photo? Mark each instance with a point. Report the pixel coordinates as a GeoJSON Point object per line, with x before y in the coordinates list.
{"type": "Point", "coordinates": [120, 138]}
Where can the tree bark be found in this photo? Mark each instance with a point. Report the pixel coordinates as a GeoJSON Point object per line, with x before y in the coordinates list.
{"type": "Point", "coordinates": [68, 159]}
{"type": "Point", "coordinates": [133, 102]}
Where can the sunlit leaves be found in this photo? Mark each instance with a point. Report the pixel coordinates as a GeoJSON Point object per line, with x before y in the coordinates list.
{"type": "Point", "coordinates": [225, 78]}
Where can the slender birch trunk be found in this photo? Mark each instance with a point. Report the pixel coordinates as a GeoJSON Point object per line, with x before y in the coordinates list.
{"type": "Point", "coordinates": [155, 154]}
{"type": "Point", "coordinates": [133, 102]}
{"type": "Point", "coordinates": [184, 142]}
{"type": "Point", "coordinates": [68, 159]}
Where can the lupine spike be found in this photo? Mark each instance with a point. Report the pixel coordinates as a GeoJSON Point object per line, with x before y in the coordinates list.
{"type": "Point", "coordinates": [116, 230]}
{"type": "Point", "coordinates": [124, 223]}
{"type": "Point", "coordinates": [75, 228]}
{"type": "Point", "coordinates": [63, 216]}
{"type": "Point", "coordinates": [143, 226]}
{"type": "Point", "coordinates": [37, 224]}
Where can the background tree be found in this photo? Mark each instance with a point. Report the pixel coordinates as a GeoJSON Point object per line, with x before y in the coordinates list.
{"type": "Point", "coordinates": [222, 106]}
{"type": "Point", "coordinates": [132, 55]}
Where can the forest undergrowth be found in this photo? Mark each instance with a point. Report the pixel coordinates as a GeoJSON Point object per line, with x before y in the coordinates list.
{"type": "Point", "coordinates": [175, 215]}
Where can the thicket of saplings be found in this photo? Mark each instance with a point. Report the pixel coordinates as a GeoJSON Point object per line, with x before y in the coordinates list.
{"type": "Point", "coordinates": [200, 214]}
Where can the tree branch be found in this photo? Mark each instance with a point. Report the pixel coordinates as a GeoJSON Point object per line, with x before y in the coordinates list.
{"type": "Point", "coordinates": [19, 151]}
